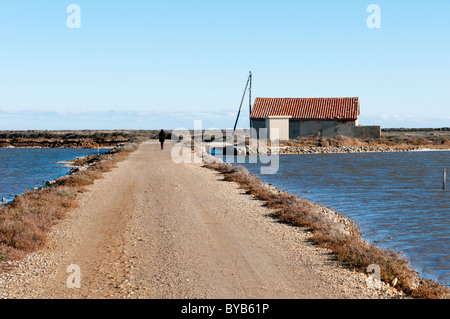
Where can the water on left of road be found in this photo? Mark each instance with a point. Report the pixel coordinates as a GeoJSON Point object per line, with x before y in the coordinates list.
{"type": "Point", "coordinates": [22, 169]}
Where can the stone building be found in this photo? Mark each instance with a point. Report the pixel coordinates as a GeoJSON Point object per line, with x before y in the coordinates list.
{"type": "Point", "coordinates": [321, 117]}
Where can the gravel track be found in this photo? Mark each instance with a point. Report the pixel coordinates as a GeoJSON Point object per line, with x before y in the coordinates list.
{"type": "Point", "coordinates": [157, 230]}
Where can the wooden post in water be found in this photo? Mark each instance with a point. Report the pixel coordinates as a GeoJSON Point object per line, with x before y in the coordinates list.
{"type": "Point", "coordinates": [444, 180]}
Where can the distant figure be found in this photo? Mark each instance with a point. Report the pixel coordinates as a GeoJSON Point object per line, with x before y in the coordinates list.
{"type": "Point", "coordinates": [3, 200]}
{"type": "Point", "coordinates": [162, 138]}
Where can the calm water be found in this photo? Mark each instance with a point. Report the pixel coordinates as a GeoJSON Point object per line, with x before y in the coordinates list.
{"type": "Point", "coordinates": [24, 169]}
{"type": "Point", "coordinates": [397, 199]}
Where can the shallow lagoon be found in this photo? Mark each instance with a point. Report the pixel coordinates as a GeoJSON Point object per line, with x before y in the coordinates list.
{"type": "Point", "coordinates": [23, 169]}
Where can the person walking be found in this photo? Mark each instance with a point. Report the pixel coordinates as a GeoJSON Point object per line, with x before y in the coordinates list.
{"type": "Point", "coordinates": [162, 138]}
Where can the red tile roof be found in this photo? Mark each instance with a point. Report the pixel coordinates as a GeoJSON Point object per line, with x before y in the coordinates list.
{"type": "Point", "coordinates": [346, 108]}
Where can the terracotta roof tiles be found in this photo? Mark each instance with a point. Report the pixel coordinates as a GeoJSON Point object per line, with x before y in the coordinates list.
{"type": "Point", "coordinates": [307, 108]}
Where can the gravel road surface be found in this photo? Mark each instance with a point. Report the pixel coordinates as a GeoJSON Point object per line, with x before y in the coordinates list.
{"type": "Point", "coordinates": [158, 230]}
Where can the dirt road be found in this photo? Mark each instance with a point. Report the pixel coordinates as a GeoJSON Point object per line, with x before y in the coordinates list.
{"type": "Point", "coordinates": [155, 229]}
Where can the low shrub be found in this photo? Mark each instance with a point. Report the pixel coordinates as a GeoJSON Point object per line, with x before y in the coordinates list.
{"type": "Point", "coordinates": [26, 221]}
{"type": "Point", "coordinates": [105, 166]}
{"type": "Point", "coordinates": [81, 178]}
{"type": "Point", "coordinates": [429, 289]}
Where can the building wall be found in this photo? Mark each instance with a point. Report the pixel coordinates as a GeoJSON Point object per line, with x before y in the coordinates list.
{"type": "Point", "coordinates": [307, 128]}
{"type": "Point", "coordinates": [327, 129]}
{"type": "Point", "coordinates": [346, 128]}
{"type": "Point", "coordinates": [258, 124]}
{"type": "Point", "coordinates": [368, 132]}
{"type": "Point", "coordinates": [324, 128]}
{"type": "Point", "coordinates": [278, 128]}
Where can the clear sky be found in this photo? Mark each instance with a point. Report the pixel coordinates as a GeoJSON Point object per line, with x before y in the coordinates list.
{"type": "Point", "coordinates": [163, 64]}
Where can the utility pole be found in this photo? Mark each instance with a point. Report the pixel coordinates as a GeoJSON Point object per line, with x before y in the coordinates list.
{"type": "Point", "coordinates": [249, 83]}
{"type": "Point", "coordinates": [250, 100]}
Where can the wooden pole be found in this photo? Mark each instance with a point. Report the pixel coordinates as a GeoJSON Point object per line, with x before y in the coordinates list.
{"type": "Point", "coordinates": [250, 98]}
{"type": "Point", "coordinates": [444, 179]}
{"type": "Point", "coordinates": [242, 101]}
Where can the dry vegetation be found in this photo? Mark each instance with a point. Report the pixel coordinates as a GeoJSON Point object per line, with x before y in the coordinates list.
{"type": "Point", "coordinates": [347, 246]}
{"type": "Point", "coordinates": [27, 220]}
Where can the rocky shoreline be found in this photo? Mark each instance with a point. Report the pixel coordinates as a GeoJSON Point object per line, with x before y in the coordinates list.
{"type": "Point", "coordinates": [286, 150]}
{"type": "Point", "coordinates": [347, 225]}
{"type": "Point", "coordinates": [342, 149]}
{"type": "Point", "coordinates": [83, 163]}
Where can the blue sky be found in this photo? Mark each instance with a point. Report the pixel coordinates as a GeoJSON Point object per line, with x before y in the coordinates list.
{"type": "Point", "coordinates": [163, 64]}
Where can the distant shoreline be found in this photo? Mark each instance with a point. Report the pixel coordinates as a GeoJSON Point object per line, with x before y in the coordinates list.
{"type": "Point", "coordinates": [89, 139]}
{"type": "Point", "coordinates": [353, 150]}
{"type": "Point", "coordinates": [65, 147]}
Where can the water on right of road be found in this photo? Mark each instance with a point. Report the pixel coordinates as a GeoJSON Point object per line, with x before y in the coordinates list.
{"type": "Point", "coordinates": [397, 199]}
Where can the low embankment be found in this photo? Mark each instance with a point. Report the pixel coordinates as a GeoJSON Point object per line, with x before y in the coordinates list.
{"type": "Point", "coordinates": [390, 141]}
{"type": "Point", "coordinates": [336, 233]}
